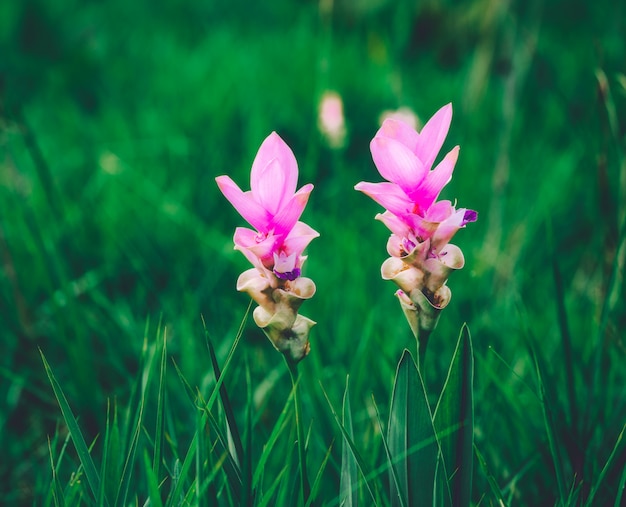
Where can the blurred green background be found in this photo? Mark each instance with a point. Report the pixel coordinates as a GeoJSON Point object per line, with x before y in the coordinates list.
{"type": "Point", "coordinates": [116, 116]}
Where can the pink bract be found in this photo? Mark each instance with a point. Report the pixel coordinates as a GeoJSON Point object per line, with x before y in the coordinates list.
{"type": "Point", "coordinates": [404, 157]}
{"type": "Point", "coordinates": [273, 207]}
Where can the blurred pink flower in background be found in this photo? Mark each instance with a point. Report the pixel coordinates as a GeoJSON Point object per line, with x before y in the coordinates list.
{"type": "Point", "coordinates": [404, 114]}
{"type": "Point", "coordinates": [330, 120]}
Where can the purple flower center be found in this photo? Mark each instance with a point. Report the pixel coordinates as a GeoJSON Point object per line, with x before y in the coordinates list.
{"type": "Point", "coordinates": [470, 216]}
{"type": "Point", "coordinates": [408, 245]}
{"type": "Point", "coordinates": [290, 275]}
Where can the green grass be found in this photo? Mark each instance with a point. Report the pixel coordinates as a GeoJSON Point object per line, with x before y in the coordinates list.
{"type": "Point", "coordinates": [116, 246]}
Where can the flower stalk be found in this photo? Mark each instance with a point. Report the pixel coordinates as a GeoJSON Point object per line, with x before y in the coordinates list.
{"type": "Point", "coordinates": [275, 247]}
{"type": "Point", "coordinates": [305, 487]}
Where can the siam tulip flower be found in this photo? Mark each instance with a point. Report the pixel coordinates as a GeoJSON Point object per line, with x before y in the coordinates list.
{"type": "Point", "coordinates": [422, 227]}
{"type": "Point", "coordinates": [273, 208]}
{"type": "Point", "coordinates": [275, 247]}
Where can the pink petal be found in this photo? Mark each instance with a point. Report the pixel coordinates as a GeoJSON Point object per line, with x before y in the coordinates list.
{"type": "Point", "coordinates": [299, 238]}
{"type": "Point", "coordinates": [423, 229]}
{"type": "Point", "coordinates": [397, 163]}
{"type": "Point", "coordinates": [245, 237]}
{"type": "Point", "coordinates": [244, 203]}
{"type": "Point", "coordinates": [284, 263]}
{"type": "Point", "coordinates": [284, 221]}
{"type": "Point", "coordinates": [400, 131]}
{"type": "Point", "coordinates": [274, 148]}
{"type": "Point", "coordinates": [439, 211]}
{"type": "Point", "coordinates": [395, 247]}
{"type": "Point", "coordinates": [388, 195]}
{"type": "Point", "coordinates": [270, 189]}
{"type": "Point", "coordinates": [247, 242]}
{"type": "Point", "coordinates": [433, 134]}
{"type": "Point", "coordinates": [446, 230]}
{"type": "Point", "coordinates": [435, 180]}
{"type": "Point", "coordinates": [395, 224]}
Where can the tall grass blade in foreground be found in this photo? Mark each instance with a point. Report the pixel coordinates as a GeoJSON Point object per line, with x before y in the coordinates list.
{"type": "Point", "coordinates": [305, 488]}
{"type": "Point", "coordinates": [411, 437]}
{"type": "Point", "coordinates": [548, 419]}
{"type": "Point", "coordinates": [160, 414]}
{"type": "Point", "coordinates": [347, 439]}
{"type": "Point", "coordinates": [605, 469]}
{"type": "Point", "coordinates": [493, 485]}
{"type": "Point", "coordinates": [93, 478]}
{"type": "Point", "coordinates": [454, 421]}
{"type": "Point", "coordinates": [228, 410]}
{"type": "Point", "coordinates": [348, 485]}
{"type": "Point", "coordinates": [204, 408]}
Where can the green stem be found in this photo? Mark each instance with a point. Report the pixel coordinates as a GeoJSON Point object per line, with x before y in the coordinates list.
{"type": "Point", "coordinates": [422, 343]}
{"type": "Point", "coordinates": [305, 488]}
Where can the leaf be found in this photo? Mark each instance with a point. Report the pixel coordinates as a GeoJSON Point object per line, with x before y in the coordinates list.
{"type": "Point", "coordinates": [348, 485]}
{"type": "Point", "coordinates": [550, 429]}
{"type": "Point", "coordinates": [620, 489]}
{"type": "Point", "coordinates": [154, 494]}
{"type": "Point", "coordinates": [454, 421]}
{"type": "Point", "coordinates": [606, 468]}
{"type": "Point", "coordinates": [206, 407]}
{"type": "Point", "coordinates": [228, 410]}
{"type": "Point", "coordinates": [277, 430]}
{"type": "Point", "coordinates": [305, 487]}
{"type": "Point", "coordinates": [127, 471]}
{"type": "Point", "coordinates": [318, 479]}
{"type": "Point", "coordinates": [160, 416]}
{"type": "Point", "coordinates": [93, 478]}
{"type": "Point", "coordinates": [411, 437]}
{"type": "Point", "coordinates": [371, 488]}
{"type": "Point", "coordinates": [56, 490]}
{"type": "Point", "coordinates": [495, 489]}
{"type": "Point", "coordinates": [397, 499]}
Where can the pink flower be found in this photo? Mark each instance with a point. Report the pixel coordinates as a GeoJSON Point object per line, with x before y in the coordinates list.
{"type": "Point", "coordinates": [273, 208]}
{"type": "Point", "coordinates": [330, 121]}
{"type": "Point", "coordinates": [405, 157]}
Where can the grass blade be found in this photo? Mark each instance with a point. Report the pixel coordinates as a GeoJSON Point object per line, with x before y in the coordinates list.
{"type": "Point", "coordinates": [348, 440]}
{"type": "Point", "coordinates": [205, 407]}
{"type": "Point", "coordinates": [305, 487]}
{"type": "Point", "coordinates": [493, 485]}
{"type": "Point", "coordinates": [267, 497]}
{"type": "Point", "coordinates": [620, 489]}
{"type": "Point", "coordinates": [200, 459]}
{"type": "Point", "coordinates": [160, 415]}
{"type": "Point", "coordinates": [93, 478]}
{"type": "Point", "coordinates": [127, 471]}
{"type": "Point", "coordinates": [228, 410]}
{"type": "Point", "coordinates": [348, 484]}
{"type": "Point", "coordinates": [398, 496]}
{"type": "Point", "coordinates": [279, 427]}
{"type": "Point", "coordinates": [318, 478]}
{"type": "Point", "coordinates": [176, 493]}
{"type": "Point", "coordinates": [454, 421]}
{"type": "Point", "coordinates": [605, 469]}
{"type": "Point", "coordinates": [550, 433]}
{"type": "Point", "coordinates": [154, 494]}
{"type": "Point", "coordinates": [411, 437]}
{"type": "Point", "coordinates": [56, 489]}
